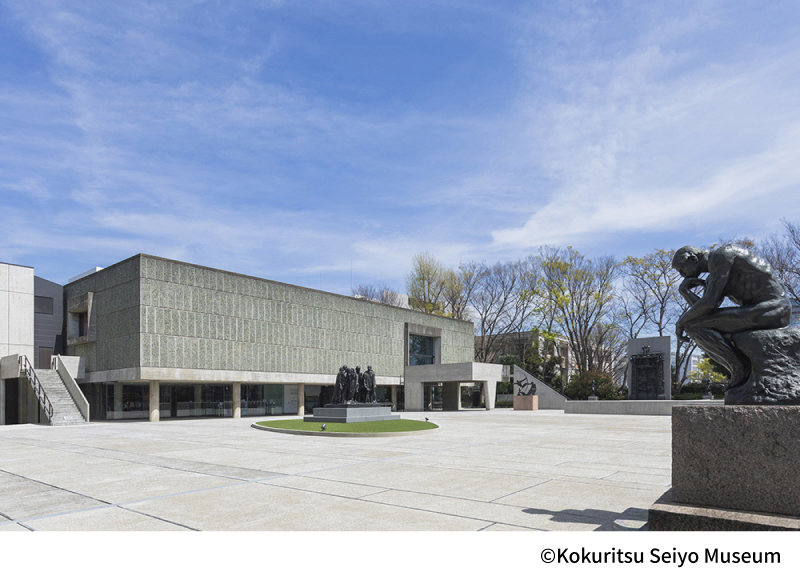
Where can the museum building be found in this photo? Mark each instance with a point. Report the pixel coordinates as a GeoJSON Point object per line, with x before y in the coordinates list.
{"type": "Point", "coordinates": [152, 338]}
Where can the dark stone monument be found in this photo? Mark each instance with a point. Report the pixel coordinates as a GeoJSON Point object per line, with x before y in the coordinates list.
{"type": "Point", "coordinates": [647, 375]}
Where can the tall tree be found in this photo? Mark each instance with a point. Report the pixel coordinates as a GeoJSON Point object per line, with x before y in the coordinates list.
{"type": "Point", "coordinates": [378, 293]}
{"type": "Point", "coordinates": [651, 287]}
{"type": "Point", "coordinates": [425, 284]}
{"type": "Point", "coordinates": [502, 306]}
{"type": "Point", "coordinates": [783, 253]}
{"type": "Point", "coordinates": [650, 302]}
{"type": "Point", "coordinates": [458, 289]}
{"type": "Point", "coordinates": [581, 293]}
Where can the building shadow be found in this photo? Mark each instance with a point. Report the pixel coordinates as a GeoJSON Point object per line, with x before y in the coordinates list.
{"type": "Point", "coordinates": [604, 517]}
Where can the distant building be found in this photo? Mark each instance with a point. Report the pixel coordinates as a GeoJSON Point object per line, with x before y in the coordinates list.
{"type": "Point", "coordinates": [489, 349]}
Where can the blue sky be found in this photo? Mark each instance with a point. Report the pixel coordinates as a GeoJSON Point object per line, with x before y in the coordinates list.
{"type": "Point", "coordinates": [295, 140]}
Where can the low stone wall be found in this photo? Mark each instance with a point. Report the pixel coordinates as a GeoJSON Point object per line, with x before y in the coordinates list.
{"type": "Point", "coordinates": [632, 407]}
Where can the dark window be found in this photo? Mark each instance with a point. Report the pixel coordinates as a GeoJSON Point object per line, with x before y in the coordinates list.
{"type": "Point", "coordinates": [42, 305]}
{"type": "Point", "coordinates": [420, 350]}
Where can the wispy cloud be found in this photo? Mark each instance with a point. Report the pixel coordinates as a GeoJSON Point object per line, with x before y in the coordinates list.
{"type": "Point", "coordinates": [653, 137]}
{"type": "Point", "coordinates": [282, 141]}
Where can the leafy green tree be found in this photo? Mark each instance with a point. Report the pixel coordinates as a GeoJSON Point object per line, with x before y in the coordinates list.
{"type": "Point", "coordinates": [542, 358]}
{"type": "Point", "coordinates": [650, 302]}
{"type": "Point", "coordinates": [709, 371]}
{"type": "Point", "coordinates": [509, 360]}
{"type": "Point", "coordinates": [580, 386]}
{"type": "Point", "coordinates": [580, 294]}
{"type": "Point", "coordinates": [425, 284]}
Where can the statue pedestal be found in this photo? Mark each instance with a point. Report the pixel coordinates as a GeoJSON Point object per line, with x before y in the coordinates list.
{"type": "Point", "coordinates": [352, 413]}
{"type": "Point", "coordinates": [526, 403]}
{"type": "Point", "coordinates": [733, 467]}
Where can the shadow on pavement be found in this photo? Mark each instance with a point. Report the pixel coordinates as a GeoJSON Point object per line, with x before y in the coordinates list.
{"type": "Point", "coordinates": [604, 517]}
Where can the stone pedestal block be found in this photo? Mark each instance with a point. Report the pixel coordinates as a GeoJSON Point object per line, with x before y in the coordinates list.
{"type": "Point", "coordinates": [668, 515]}
{"type": "Point", "coordinates": [352, 413]}
{"type": "Point", "coordinates": [526, 402]}
{"type": "Point", "coordinates": [737, 457]}
{"type": "Point", "coordinates": [774, 357]}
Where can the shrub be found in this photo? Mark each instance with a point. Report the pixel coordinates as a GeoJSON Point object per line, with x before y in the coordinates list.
{"type": "Point", "coordinates": [580, 386]}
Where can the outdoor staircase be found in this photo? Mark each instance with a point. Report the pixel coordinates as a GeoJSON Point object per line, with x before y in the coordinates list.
{"type": "Point", "coordinates": [65, 411]}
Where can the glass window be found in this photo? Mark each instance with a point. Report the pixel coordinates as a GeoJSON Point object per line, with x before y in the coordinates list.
{"type": "Point", "coordinates": [420, 350]}
{"type": "Point", "coordinates": [311, 398]}
{"type": "Point", "coordinates": [134, 404]}
{"type": "Point", "coordinates": [42, 305]}
{"type": "Point", "coordinates": [262, 400]}
{"type": "Point", "coordinates": [218, 400]}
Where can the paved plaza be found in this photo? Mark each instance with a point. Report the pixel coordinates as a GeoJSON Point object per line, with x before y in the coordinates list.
{"type": "Point", "coordinates": [496, 470]}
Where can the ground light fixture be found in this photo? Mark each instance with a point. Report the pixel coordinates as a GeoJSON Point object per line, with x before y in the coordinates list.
{"type": "Point", "coordinates": [322, 428]}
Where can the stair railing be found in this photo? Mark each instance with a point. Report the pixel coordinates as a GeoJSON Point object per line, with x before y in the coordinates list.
{"type": "Point", "coordinates": [44, 401]}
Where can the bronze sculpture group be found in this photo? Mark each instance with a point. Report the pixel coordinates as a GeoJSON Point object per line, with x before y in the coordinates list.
{"type": "Point", "coordinates": [352, 386]}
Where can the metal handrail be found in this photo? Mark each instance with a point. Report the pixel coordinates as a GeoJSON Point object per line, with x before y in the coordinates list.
{"type": "Point", "coordinates": [44, 401]}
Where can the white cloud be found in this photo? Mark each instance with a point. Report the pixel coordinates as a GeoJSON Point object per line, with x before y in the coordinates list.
{"type": "Point", "coordinates": [644, 142]}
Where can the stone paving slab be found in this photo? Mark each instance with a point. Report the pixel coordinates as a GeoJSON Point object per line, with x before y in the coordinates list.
{"type": "Point", "coordinates": [512, 516]}
{"type": "Point", "coordinates": [102, 519]}
{"type": "Point", "coordinates": [260, 507]}
{"type": "Point", "coordinates": [495, 471]}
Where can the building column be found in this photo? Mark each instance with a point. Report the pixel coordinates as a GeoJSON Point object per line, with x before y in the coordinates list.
{"type": "Point", "coordinates": [22, 408]}
{"type": "Point", "coordinates": [155, 401]}
{"type": "Point", "coordinates": [301, 399]}
{"type": "Point", "coordinates": [414, 396]}
{"type": "Point", "coordinates": [451, 396]}
{"type": "Point", "coordinates": [2, 401]}
{"type": "Point", "coordinates": [117, 401]}
{"type": "Point", "coordinates": [489, 393]}
{"type": "Point", "coordinates": [198, 399]}
{"type": "Point", "coordinates": [237, 400]}
{"type": "Point", "coordinates": [393, 390]}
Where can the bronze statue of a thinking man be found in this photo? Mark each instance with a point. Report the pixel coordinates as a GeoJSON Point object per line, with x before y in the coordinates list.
{"type": "Point", "coordinates": [744, 278]}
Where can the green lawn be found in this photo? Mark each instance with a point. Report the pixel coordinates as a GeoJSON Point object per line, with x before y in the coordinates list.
{"type": "Point", "coordinates": [397, 426]}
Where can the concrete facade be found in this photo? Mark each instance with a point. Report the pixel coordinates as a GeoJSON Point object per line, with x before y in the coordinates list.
{"type": "Point", "coordinates": [450, 376]}
{"type": "Point", "coordinates": [48, 321]}
{"type": "Point", "coordinates": [16, 310]}
{"type": "Point", "coordinates": [148, 319]}
{"type": "Point", "coordinates": [16, 338]}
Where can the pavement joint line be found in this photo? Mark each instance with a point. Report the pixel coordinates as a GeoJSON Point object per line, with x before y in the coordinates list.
{"type": "Point", "coordinates": [158, 518]}
{"type": "Point", "coordinates": [460, 516]}
{"type": "Point", "coordinates": [53, 486]}
{"type": "Point", "coordinates": [219, 487]}
{"type": "Point", "coordinates": [55, 515]}
{"type": "Point", "coordinates": [86, 451]}
{"type": "Point", "coordinates": [518, 491]}
{"type": "Point", "coordinates": [82, 449]}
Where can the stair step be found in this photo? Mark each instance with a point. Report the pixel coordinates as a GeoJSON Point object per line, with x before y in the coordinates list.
{"type": "Point", "coordinates": [60, 398]}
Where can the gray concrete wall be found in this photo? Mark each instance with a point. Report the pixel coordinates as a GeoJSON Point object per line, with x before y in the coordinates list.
{"type": "Point", "coordinates": [184, 316]}
{"type": "Point", "coordinates": [48, 328]}
{"type": "Point", "coordinates": [113, 341]}
{"type": "Point", "coordinates": [16, 310]}
{"type": "Point", "coordinates": [631, 407]}
{"type": "Point", "coordinates": [465, 372]}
